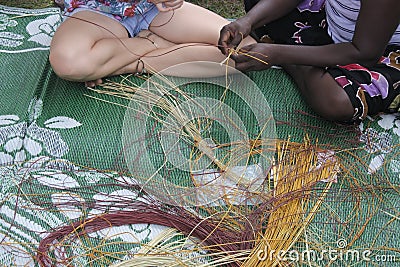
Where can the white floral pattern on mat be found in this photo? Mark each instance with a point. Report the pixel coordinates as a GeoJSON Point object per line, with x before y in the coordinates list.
{"type": "Point", "coordinates": [6, 22]}
{"type": "Point", "coordinates": [390, 122]}
{"type": "Point", "coordinates": [7, 38]}
{"type": "Point", "coordinates": [380, 143]}
{"type": "Point", "coordinates": [24, 223]}
{"type": "Point", "coordinates": [26, 30]}
{"type": "Point", "coordinates": [42, 30]}
{"type": "Point", "coordinates": [21, 140]}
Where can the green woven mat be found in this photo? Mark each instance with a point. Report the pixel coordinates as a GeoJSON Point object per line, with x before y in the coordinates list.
{"type": "Point", "coordinates": [60, 149]}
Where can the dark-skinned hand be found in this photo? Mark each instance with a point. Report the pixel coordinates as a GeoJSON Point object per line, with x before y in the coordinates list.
{"type": "Point", "coordinates": [232, 34]}
{"type": "Point", "coordinates": [252, 57]}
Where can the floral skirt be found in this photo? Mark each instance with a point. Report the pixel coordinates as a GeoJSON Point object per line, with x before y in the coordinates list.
{"type": "Point", "coordinates": [371, 90]}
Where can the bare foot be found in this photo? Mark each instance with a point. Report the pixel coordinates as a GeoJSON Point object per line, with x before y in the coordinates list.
{"type": "Point", "coordinates": [93, 83]}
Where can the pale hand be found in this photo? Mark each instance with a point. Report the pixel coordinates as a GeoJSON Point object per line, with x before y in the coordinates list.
{"type": "Point", "coordinates": [167, 5]}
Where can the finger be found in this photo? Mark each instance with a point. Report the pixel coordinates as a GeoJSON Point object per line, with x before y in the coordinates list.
{"type": "Point", "coordinates": [174, 7]}
{"type": "Point", "coordinates": [244, 66]}
{"type": "Point", "coordinates": [93, 83]}
{"type": "Point", "coordinates": [162, 8]}
{"type": "Point", "coordinates": [248, 51]}
{"type": "Point", "coordinates": [240, 58]}
{"type": "Point", "coordinates": [174, 4]}
{"type": "Point", "coordinates": [89, 84]}
{"type": "Point", "coordinates": [237, 38]}
{"type": "Point", "coordinates": [223, 42]}
{"type": "Point", "coordinates": [98, 81]}
{"type": "Point", "coordinates": [165, 1]}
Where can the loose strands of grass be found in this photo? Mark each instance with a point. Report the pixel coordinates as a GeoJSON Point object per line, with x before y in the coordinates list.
{"type": "Point", "coordinates": [285, 218]}
{"type": "Point", "coordinates": [158, 96]}
{"type": "Point", "coordinates": [225, 236]}
{"type": "Point", "coordinates": [296, 199]}
{"type": "Point", "coordinates": [294, 177]}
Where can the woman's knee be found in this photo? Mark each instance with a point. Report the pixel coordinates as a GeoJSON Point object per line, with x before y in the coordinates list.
{"type": "Point", "coordinates": [336, 108]}
{"type": "Point", "coordinates": [325, 96]}
{"type": "Point", "coordinates": [69, 64]}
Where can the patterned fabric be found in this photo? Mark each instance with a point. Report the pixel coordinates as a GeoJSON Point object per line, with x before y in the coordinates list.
{"type": "Point", "coordinates": [342, 15]}
{"type": "Point", "coordinates": [118, 8]}
{"type": "Point", "coordinates": [311, 5]}
{"type": "Point", "coordinates": [375, 89]}
{"type": "Point", "coordinates": [308, 19]}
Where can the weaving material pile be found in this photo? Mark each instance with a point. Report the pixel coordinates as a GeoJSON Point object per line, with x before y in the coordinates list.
{"type": "Point", "coordinates": [83, 185]}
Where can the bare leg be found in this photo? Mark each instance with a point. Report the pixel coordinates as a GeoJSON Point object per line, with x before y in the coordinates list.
{"type": "Point", "coordinates": [188, 24]}
{"type": "Point", "coordinates": [90, 46]}
{"type": "Point", "coordinates": [191, 24]}
{"type": "Point", "coordinates": [159, 60]}
{"type": "Point", "coordinates": [196, 31]}
{"type": "Point", "coordinates": [322, 92]}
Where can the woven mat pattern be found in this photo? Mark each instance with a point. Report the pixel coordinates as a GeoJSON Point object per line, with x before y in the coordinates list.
{"type": "Point", "coordinates": [57, 145]}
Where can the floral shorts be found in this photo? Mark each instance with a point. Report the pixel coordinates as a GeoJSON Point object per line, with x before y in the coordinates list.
{"type": "Point", "coordinates": [371, 90]}
{"type": "Point", "coordinates": [133, 23]}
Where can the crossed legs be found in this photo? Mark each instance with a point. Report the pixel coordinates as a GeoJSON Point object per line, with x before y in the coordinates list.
{"type": "Point", "coordinates": [89, 46]}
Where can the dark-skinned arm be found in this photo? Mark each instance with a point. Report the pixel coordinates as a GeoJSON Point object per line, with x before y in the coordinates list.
{"type": "Point", "coordinates": [377, 21]}
{"type": "Point", "coordinates": [263, 12]}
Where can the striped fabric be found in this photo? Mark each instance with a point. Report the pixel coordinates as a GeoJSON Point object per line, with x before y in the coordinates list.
{"type": "Point", "coordinates": [341, 18]}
